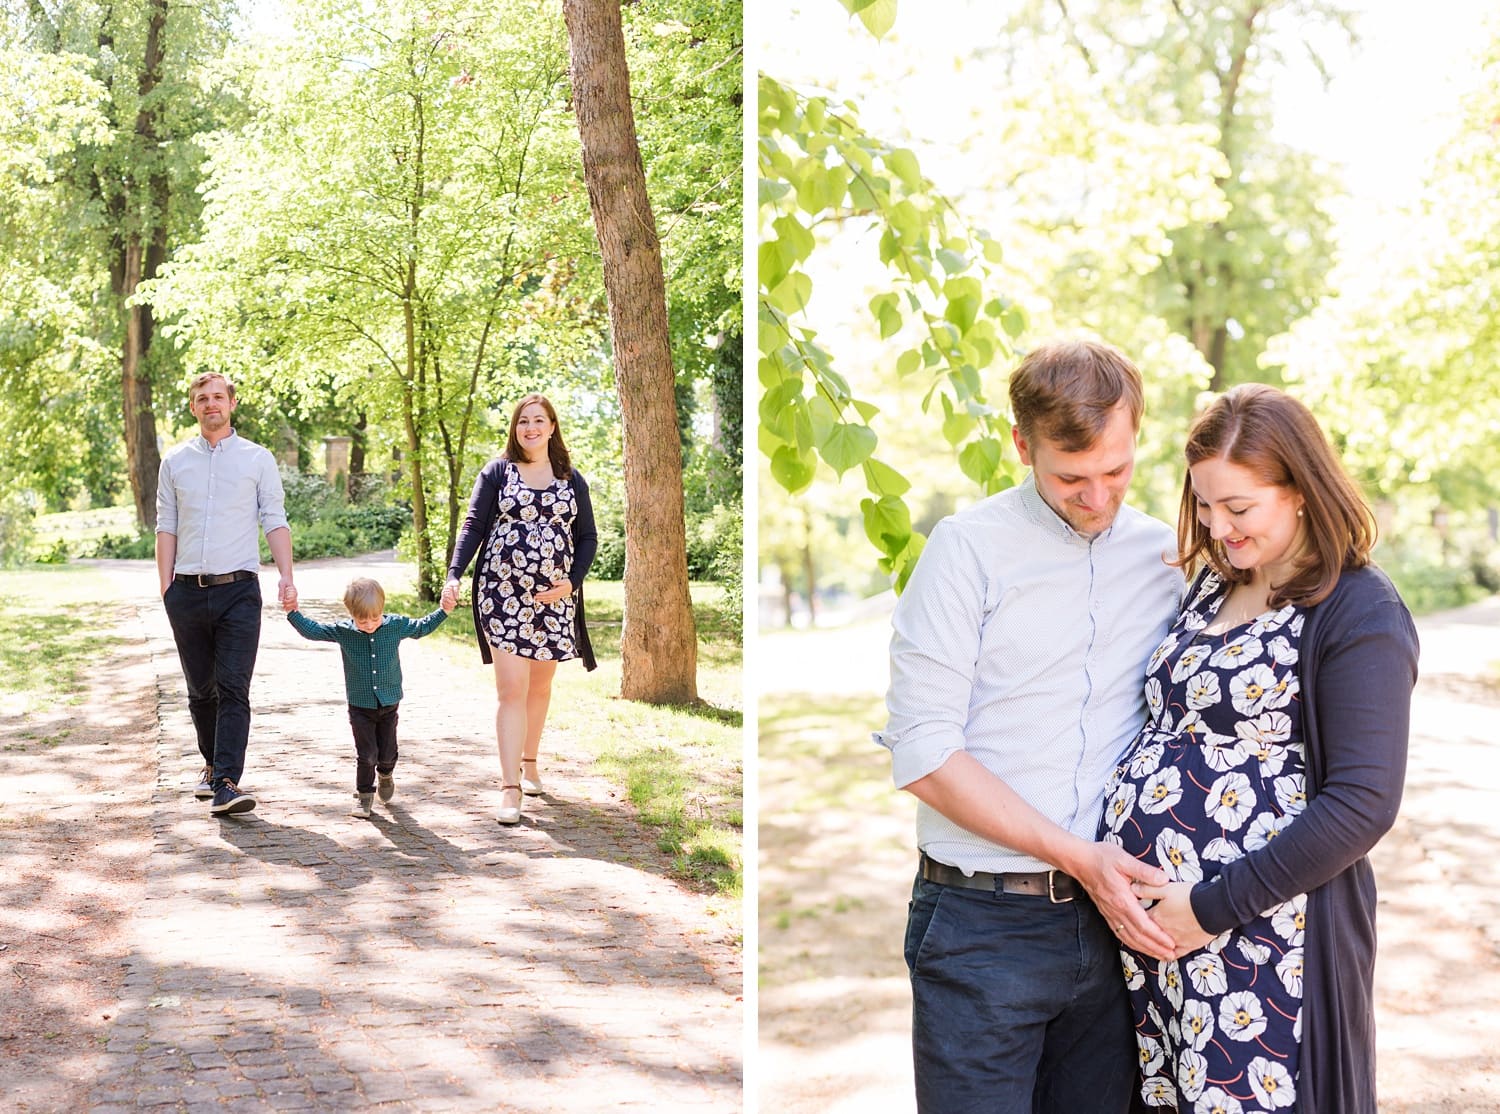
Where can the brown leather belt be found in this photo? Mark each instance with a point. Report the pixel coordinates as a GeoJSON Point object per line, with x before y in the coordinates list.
{"type": "Point", "coordinates": [212, 579]}
{"type": "Point", "coordinates": [1052, 884]}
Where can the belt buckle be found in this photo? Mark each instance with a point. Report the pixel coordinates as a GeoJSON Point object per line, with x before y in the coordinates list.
{"type": "Point", "coordinates": [200, 580]}
{"type": "Point", "coordinates": [1052, 890]}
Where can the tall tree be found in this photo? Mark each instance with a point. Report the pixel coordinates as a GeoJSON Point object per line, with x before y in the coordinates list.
{"type": "Point", "coordinates": [418, 236]}
{"type": "Point", "coordinates": [1233, 281]}
{"type": "Point", "coordinates": [659, 641]}
{"type": "Point", "coordinates": [124, 198]}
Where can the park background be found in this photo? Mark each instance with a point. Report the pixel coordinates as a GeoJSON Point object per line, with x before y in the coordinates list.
{"type": "Point", "coordinates": [1300, 192]}
{"type": "Point", "coordinates": [383, 223]}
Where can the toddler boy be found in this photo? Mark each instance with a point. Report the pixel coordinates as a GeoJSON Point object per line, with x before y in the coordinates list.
{"type": "Point", "coordinates": [370, 641]}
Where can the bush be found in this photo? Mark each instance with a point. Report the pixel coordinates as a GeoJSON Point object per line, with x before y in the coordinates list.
{"type": "Point", "coordinates": [729, 570]}
{"type": "Point", "coordinates": [126, 546]}
{"type": "Point", "coordinates": [17, 528]}
{"type": "Point", "coordinates": [609, 562]}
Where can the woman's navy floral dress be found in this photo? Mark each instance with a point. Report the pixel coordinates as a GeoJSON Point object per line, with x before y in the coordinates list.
{"type": "Point", "coordinates": [1217, 771]}
{"type": "Point", "coordinates": [530, 546]}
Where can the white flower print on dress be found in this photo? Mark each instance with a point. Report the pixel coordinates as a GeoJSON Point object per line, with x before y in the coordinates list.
{"type": "Point", "coordinates": [1197, 1024]}
{"type": "Point", "coordinates": [1162, 790]}
{"type": "Point", "coordinates": [1168, 644]}
{"type": "Point", "coordinates": [1236, 652]}
{"type": "Point", "coordinates": [1153, 698]}
{"type": "Point", "coordinates": [1289, 971]}
{"type": "Point", "coordinates": [1159, 1092]}
{"type": "Point", "coordinates": [1120, 805]}
{"type": "Point", "coordinates": [1222, 752]}
{"type": "Point", "coordinates": [1217, 1101]}
{"type": "Point", "coordinates": [1271, 1083]}
{"type": "Point", "coordinates": [1151, 1055]}
{"type": "Point", "coordinates": [1135, 977]}
{"type": "Point", "coordinates": [1143, 761]}
{"type": "Point", "coordinates": [1272, 727]}
{"type": "Point", "coordinates": [1290, 919]}
{"type": "Point", "coordinates": [1206, 972]}
{"type": "Point", "coordinates": [1221, 850]}
{"type": "Point", "coordinates": [1230, 801]}
{"type": "Point", "coordinates": [1175, 853]}
{"type": "Point", "coordinates": [1241, 1017]}
{"type": "Point", "coordinates": [1192, 1074]}
{"type": "Point", "coordinates": [1202, 690]}
{"type": "Point", "coordinates": [1188, 663]}
{"type": "Point", "coordinates": [1250, 690]}
{"type": "Point", "coordinates": [1256, 953]}
{"type": "Point", "coordinates": [1286, 687]}
{"type": "Point", "coordinates": [1264, 828]}
{"type": "Point", "coordinates": [1291, 794]}
{"type": "Point", "coordinates": [1169, 977]}
{"type": "Point", "coordinates": [1282, 651]}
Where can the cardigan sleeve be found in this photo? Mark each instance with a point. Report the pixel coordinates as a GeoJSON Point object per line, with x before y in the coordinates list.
{"type": "Point", "coordinates": [1356, 724]}
{"type": "Point", "coordinates": [585, 536]}
{"type": "Point", "coordinates": [477, 522]}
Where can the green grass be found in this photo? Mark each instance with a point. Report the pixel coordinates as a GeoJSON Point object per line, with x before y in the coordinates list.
{"type": "Point", "coordinates": [56, 622]}
{"type": "Point", "coordinates": [679, 765]}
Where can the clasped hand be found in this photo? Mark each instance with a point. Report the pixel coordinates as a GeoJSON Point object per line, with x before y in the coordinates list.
{"type": "Point", "coordinates": [1122, 886]}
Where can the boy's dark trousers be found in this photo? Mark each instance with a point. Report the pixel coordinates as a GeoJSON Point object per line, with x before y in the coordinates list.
{"type": "Point", "coordinates": [374, 743]}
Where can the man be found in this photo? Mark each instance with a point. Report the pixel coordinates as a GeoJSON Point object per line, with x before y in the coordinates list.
{"type": "Point", "coordinates": [212, 496]}
{"type": "Point", "coordinates": [1017, 668]}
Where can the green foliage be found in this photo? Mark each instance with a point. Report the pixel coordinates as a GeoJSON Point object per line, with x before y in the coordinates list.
{"type": "Point", "coordinates": [1400, 363]}
{"type": "Point", "coordinates": [127, 546]}
{"type": "Point", "coordinates": [729, 571]}
{"type": "Point", "coordinates": [324, 524]}
{"type": "Point", "coordinates": [686, 70]}
{"type": "Point", "coordinates": [17, 527]}
{"type": "Point", "coordinates": [818, 165]}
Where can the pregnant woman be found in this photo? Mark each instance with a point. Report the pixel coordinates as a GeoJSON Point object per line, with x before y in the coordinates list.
{"type": "Point", "coordinates": [1272, 760]}
{"type": "Point", "coordinates": [530, 511]}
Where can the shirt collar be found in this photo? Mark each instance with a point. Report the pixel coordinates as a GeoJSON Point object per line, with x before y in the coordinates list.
{"type": "Point", "coordinates": [202, 442]}
{"type": "Point", "coordinates": [1047, 519]}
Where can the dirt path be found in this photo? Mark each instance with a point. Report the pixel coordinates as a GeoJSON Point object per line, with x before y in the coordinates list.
{"type": "Point", "coordinates": [835, 867]}
{"type": "Point", "coordinates": [296, 958]}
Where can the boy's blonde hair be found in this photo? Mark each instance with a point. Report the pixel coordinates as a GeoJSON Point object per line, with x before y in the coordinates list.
{"type": "Point", "coordinates": [364, 598]}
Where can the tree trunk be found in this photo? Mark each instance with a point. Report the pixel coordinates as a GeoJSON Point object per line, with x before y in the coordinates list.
{"type": "Point", "coordinates": [658, 645]}
{"type": "Point", "coordinates": [144, 252]}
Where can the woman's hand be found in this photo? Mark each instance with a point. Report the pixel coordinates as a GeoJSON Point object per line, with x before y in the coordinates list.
{"type": "Point", "coordinates": [1173, 911]}
{"type": "Point", "coordinates": [560, 590]}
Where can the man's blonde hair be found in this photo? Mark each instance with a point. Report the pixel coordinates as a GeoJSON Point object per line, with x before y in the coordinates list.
{"type": "Point", "coordinates": [364, 598]}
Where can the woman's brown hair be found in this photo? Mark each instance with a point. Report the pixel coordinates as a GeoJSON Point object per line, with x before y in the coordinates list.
{"type": "Point", "coordinates": [557, 452]}
{"type": "Point", "coordinates": [1273, 436]}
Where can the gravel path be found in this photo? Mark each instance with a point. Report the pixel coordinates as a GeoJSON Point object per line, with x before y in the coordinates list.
{"type": "Point", "coordinates": [296, 958]}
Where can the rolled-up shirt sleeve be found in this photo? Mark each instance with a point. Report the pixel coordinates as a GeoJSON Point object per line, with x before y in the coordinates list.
{"type": "Point", "coordinates": [166, 499]}
{"type": "Point", "coordinates": [934, 654]}
{"type": "Point", "coordinates": [270, 498]}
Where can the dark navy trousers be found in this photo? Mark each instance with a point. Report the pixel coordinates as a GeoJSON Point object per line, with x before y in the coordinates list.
{"type": "Point", "coordinates": [217, 630]}
{"type": "Point", "coordinates": [1018, 1005]}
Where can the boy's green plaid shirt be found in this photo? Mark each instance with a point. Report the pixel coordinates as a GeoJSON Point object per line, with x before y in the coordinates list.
{"type": "Point", "coordinates": [372, 662]}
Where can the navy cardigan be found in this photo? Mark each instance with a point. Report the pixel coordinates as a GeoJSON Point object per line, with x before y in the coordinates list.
{"type": "Point", "coordinates": [1356, 666]}
{"type": "Point", "coordinates": [484, 503]}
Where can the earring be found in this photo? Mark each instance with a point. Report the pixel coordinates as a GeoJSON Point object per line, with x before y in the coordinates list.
{"type": "Point", "coordinates": [1299, 512]}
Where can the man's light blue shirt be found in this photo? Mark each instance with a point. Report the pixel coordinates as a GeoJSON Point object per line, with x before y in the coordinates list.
{"type": "Point", "coordinates": [216, 499]}
{"type": "Point", "coordinates": [1025, 643]}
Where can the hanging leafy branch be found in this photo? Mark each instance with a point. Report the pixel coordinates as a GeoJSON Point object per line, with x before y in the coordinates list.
{"type": "Point", "coordinates": [818, 166]}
